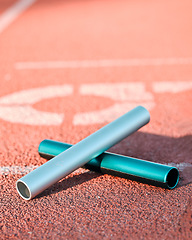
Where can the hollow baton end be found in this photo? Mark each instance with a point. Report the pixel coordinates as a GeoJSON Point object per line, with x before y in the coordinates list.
{"type": "Point", "coordinates": [172, 178]}
{"type": "Point", "coordinates": [23, 190]}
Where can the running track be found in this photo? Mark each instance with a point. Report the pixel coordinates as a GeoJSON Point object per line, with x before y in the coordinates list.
{"type": "Point", "coordinates": [66, 69]}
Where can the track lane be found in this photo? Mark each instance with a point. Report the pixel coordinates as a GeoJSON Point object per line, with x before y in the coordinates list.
{"type": "Point", "coordinates": [85, 204]}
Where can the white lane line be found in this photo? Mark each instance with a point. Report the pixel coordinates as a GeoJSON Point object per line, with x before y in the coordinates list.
{"type": "Point", "coordinates": [172, 87]}
{"type": "Point", "coordinates": [19, 170]}
{"type": "Point", "coordinates": [180, 166]}
{"type": "Point", "coordinates": [6, 170]}
{"type": "Point", "coordinates": [13, 12]}
{"type": "Point", "coordinates": [102, 63]}
{"type": "Point", "coordinates": [14, 170]}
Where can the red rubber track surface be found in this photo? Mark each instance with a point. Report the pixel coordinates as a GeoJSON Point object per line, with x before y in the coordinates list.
{"type": "Point", "coordinates": [85, 204]}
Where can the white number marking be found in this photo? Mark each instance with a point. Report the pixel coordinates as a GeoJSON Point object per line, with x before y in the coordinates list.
{"type": "Point", "coordinates": [172, 87]}
{"type": "Point", "coordinates": [126, 96]}
{"type": "Point", "coordinates": [17, 107]}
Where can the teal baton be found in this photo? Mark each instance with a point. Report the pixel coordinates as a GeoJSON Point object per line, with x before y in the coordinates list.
{"type": "Point", "coordinates": [122, 166]}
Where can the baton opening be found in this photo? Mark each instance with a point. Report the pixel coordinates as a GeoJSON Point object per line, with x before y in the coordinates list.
{"type": "Point", "coordinates": [23, 190]}
{"type": "Point", "coordinates": [172, 178]}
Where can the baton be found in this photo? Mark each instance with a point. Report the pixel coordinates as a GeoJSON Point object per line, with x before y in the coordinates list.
{"type": "Point", "coordinates": [118, 165]}
{"type": "Point", "coordinates": [79, 154]}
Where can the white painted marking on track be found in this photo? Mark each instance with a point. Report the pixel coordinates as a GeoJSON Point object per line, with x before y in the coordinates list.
{"type": "Point", "coordinates": [172, 87]}
{"type": "Point", "coordinates": [17, 107]}
{"type": "Point", "coordinates": [180, 166]}
{"type": "Point", "coordinates": [13, 12]}
{"type": "Point", "coordinates": [23, 170]}
{"type": "Point", "coordinates": [102, 63]}
{"type": "Point", "coordinates": [28, 115]}
{"type": "Point", "coordinates": [126, 96]}
{"type": "Point", "coordinates": [108, 114]}
{"type": "Point", "coordinates": [31, 96]}
{"type": "Point", "coordinates": [6, 170]}
{"type": "Point", "coordinates": [132, 91]}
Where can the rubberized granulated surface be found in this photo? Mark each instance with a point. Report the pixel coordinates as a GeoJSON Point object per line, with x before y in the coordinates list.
{"type": "Point", "coordinates": [67, 69]}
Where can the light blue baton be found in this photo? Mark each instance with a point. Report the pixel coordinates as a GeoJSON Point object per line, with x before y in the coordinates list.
{"type": "Point", "coordinates": [79, 154]}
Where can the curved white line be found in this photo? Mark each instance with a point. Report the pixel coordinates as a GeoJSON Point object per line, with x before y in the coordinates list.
{"type": "Point", "coordinates": [108, 114]}
{"type": "Point", "coordinates": [29, 115]}
{"type": "Point", "coordinates": [31, 96]}
{"type": "Point", "coordinates": [16, 107]}
{"type": "Point", "coordinates": [125, 95]}
{"type": "Point", "coordinates": [132, 91]}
